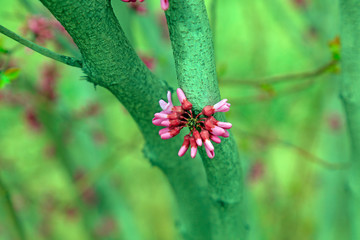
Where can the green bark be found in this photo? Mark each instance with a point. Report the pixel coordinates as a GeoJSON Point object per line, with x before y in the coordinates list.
{"type": "Point", "coordinates": [192, 44]}
{"type": "Point", "coordinates": [208, 210]}
{"type": "Point", "coordinates": [110, 61]}
{"type": "Point", "coordinates": [350, 94]}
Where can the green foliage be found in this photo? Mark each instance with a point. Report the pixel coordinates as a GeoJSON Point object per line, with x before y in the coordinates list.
{"type": "Point", "coordinates": [2, 49]}
{"type": "Point", "coordinates": [7, 76]}
{"type": "Point", "coordinates": [335, 48]}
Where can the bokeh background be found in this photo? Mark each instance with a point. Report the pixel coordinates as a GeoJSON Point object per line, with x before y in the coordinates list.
{"type": "Point", "coordinates": [71, 161]}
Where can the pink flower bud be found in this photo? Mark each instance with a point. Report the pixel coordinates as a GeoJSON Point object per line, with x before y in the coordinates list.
{"type": "Point", "coordinates": [193, 147]}
{"type": "Point", "coordinates": [172, 115]}
{"type": "Point", "coordinates": [164, 4]}
{"type": "Point", "coordinates": [184, 146]}
{"type": "Point", "coordinates": [213, 129]}
{"type": "Point", "coordinates": [208, 110]}
{"type": "Point", "coordinates": [185, 104]}
{"type": "Point", "coordinates": [215, 139]}
{"type": "Point", "coordinates": [225, 125]}
{"type": "Point", "coordinates": [164, 130]}
{"type": "Point", "coordinates": [209, 152]}
{"type": "Point", "coordinates": [206, 139]}
{"type": "Point", "coordinates": [170, 123]}
{"type": "Point", "coordinates": [225, 134]}
{"type": "Point", "coordinates": [171, 133]}
{"type": "Point", "coordinates": [157, 121]}
{"type": "Point", "coordinates": [197, 137]}
{"type": "Point", "coordinates": [166, 107]}
{"type": "Point", "coordinates": [178, 109]}
{"type": "Point", "coordinates": [222, 106]}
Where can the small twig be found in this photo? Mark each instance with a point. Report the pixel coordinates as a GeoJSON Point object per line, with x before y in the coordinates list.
{"type": "Point", "coordinates": [43, 51]}
{"type": "Point", "coordinates": [267, 96]}
{"type": "Point", "coordinates": [294, 89]}
{"type": "Point", "coordinates": [308, 156]}
{"type": "Point", "coordinates": [281, 78]}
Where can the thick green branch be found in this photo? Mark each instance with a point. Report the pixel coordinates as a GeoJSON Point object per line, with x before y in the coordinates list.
{"type": "Point", "coordinates": [111, 62]}
{"type": "Point", "coordinates": [191, 39]}
{"type": "Point", "coordinates": [43, 51]}
{"type": "Point", "coordinates": [350, 94]}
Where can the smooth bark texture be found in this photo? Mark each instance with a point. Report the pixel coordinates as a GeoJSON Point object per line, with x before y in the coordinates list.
{"type": "Point", "coordinates": [350, 94]}
{"type": "Point", "coordinates": [192, 44]}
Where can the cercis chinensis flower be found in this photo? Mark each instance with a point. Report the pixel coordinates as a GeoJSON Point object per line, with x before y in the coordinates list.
{"type": "Point", "coordinates": [203, 126]}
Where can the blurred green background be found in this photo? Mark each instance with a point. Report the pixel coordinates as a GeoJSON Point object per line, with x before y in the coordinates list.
{"type": "Point", "coordinates": [71, 161]}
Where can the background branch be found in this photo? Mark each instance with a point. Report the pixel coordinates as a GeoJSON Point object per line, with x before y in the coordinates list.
{"type": "Point", "coordinates": [303, 152]}
{"type": "Point", "coordinates": [281, 78]}
{"type": "Point", "coordinates": [270, 96]}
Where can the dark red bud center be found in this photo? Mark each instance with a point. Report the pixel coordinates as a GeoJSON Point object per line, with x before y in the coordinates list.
{"type": "Point", "coordinates": [186, 105]}
{"type": "Point", "coordinates": [208, 110]}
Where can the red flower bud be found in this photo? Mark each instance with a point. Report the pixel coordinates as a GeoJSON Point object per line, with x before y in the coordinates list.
{"type": "Point", "coordinates": [197, 137]}
{"type": "Point", "coordinates": [208, 110]}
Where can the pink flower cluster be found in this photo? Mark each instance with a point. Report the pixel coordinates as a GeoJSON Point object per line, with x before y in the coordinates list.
{"type": "Point", "coordinates": [164, 3]}
{"type": "Point", "coordinates": [202, 129]}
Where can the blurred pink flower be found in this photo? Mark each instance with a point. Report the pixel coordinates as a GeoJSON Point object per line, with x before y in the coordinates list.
{"type": "Point", "coordinates": [32, 119]}
{"type": "Point", "coordinates": [137, 7]}
{"type": "Point", "coordinates": [40, 27]}
{"type": "Point", "coordinates": [256, 172]}
{"type": "Point", "coordinates": [300, 3]}
{"type": "Point", "coordinates": [89, 195]}
{"type": "Point", "coordinates": [106, 227]}
{"type": "Point", "coordinates": [149, 61]}
{"type": "Point", "coordinates": [334, 121]}
{"type": "Point", "coordinates": [49, 77]}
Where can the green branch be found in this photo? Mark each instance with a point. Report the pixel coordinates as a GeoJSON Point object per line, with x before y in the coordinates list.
{"type": "Point", "coordinates": [280, 78]}
{"type": "Point", "coordinates": [193, 50]}
{"type": "Point", "coordinates": [110, 61]}
{"type": "Point", "coordinates": [43, 51]}
{"type": "Point", "coordinates": [266, 96]}
{"type": "Point", "coordinates": [350, 95]}
{"type": "Point", "coordinates": [301, 151]}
